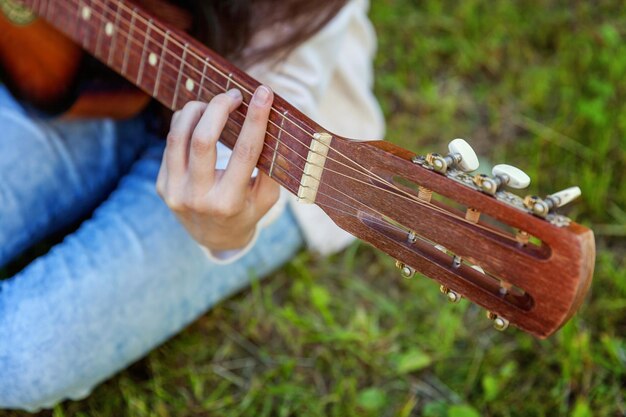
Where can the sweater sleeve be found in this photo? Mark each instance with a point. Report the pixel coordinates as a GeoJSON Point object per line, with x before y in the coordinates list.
{"type": "Point", "coordinates": [329, 78]}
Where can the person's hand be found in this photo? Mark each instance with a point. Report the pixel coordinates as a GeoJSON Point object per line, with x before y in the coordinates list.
{"type": "Point", "coordinates": [220, 209]}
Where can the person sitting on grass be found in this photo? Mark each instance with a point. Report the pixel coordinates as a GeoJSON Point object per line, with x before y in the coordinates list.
{"type": "Point", "coordinates": [134, 272]}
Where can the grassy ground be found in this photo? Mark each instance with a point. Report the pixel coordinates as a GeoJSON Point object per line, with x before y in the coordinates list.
{"type": "Point", "coordinates": [538, 84]}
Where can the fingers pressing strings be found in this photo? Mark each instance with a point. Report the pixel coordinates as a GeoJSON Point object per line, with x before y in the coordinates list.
{"type": "Point", "coordinates": [248, 147]}
{"type": "Point", "coordinates": [177, 140]}
{"type": "Point", "coordinates": [361, 170]}
{"type": "Point", "coordinates": [202, 152]}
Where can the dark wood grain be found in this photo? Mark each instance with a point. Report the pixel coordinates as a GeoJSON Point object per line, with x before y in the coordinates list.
{"type": "Point", "coordinates": [555, 280]}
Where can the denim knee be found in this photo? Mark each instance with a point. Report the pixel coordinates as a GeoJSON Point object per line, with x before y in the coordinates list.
{"type": "Point", "coordinates": [27, 382]}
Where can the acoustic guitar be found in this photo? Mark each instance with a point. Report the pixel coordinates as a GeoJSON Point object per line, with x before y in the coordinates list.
{"type": "Point", "coordinates": [517, 257]}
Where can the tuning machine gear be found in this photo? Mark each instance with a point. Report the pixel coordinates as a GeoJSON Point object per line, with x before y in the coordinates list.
{"type": "Point", "coordinates": [541, 207]}
{"type": "Point", "coordinates": [503, 175]}
{"type": "Point", "coordinates": [461, 155]}
{"type": "Point", "coordinates": [405, 270]}
{"type": "Point", "coordinates": [452, 296]}
{"type": "Point", "coordinates": [499, 322]}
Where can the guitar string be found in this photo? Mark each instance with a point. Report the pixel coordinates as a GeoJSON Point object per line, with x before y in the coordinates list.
{"type": "Point", "coordinates": [300, 156]}
{"type": "Point", "coordinates": [411, 197]}
{"type": "Point", "coordinates": [377, 220]}
{"type": "Point", "coordinates": [381, 222]}
{"type": "Point", "coordinates": [175, 41]}
{"type": "Point", "coordinates": [445, 212]}
{"type": "Point", "coordinates": [368, 173]}
{"type": "Point", "coordinates": [171, 53]}
{"type": "Point", "coordinates": [365, 209]}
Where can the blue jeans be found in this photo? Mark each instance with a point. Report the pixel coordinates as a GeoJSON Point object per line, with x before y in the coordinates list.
{"type": "Point", "coordinates": [128, 279]}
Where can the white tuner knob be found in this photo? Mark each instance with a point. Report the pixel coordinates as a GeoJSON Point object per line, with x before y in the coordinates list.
{"type": "Point", "coordinates": [512, 176]}
{"type": "Point", "coordinates": [467, 159]}
{"type": "Point", "coordinates": [565, 196]}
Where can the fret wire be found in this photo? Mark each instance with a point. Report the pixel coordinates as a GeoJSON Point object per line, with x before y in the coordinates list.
{"type": "Point", "coordinates": [300, 129]}
{"type": "Point", "coordinates": [143, 53]}
{"type": "Point", "coordinates": [99, 35]}
{"type": "Point", "coordinates": [218, 71]}
{"type": "Point", "coordinates": [296, 152]}
{"type": "Point", "coordinates": [86, 24]}
{"type": "Point", "coordinates": [128, 38]}
{"type": "Point", "coordinates": [223, 73]}
{"type": "Point", "coordinates": [114, 34]}
{"type": "Point", "coordinates": [158, 77]}
{"type": "Point", "coordinates": [149, 39]}
{"type": "Point", "coordinates": [301, 169]}
{"type": "Point", "coordinates": [180, 74]}
{"type": "Point", "coordinates": [280, 132]}
{"type": "Point", "coordinates": [367, 172]}
{"type": "Point", "coordinates": [78, 20]}
{"type": "Point", "coordinates": [204, 67]}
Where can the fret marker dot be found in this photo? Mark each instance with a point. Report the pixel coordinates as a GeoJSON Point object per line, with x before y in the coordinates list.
{"type": "Point", "coordinates": [152, 59]}
{"type": "Point", "coordinates": [189, 84]}
{"type": "Point", "coordinates": [86, 13]}
{"type": "Point", "coordinates": [108, 29]}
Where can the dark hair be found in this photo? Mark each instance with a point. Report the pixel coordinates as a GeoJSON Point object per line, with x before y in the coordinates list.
{"type": "Point", "coordinates": [227, 26]}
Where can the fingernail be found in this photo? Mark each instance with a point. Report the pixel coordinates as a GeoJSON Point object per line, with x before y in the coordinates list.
{"type": "Point", "coordinates": [234, 93]}
{"type": "Point", "coordinates": [262, 95]}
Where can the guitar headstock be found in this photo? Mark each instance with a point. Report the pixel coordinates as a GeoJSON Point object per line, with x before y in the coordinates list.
{"type": "Point", "coordinates": [528, 265]}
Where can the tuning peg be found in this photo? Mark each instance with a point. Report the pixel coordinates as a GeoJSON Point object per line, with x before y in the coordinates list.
{"type": "Point", "coordinates": [452, 296]}
{"type": "Point", "coordinates": [461, 155]}
{"type": "Point", "coordinates": [503, 174]}
{"type": "Point", "coordinates": [499, 323]}
{"type": "Point", "coordinates": [511, 176]}
{"type": "Point", "coordinates": [405, 270]}
{"type": "Point", "coordinates": [564, 197]}
{"type": "Point", "coordinates": [541, 207]}
{"type": "Point", "coordinates": [468, 161]}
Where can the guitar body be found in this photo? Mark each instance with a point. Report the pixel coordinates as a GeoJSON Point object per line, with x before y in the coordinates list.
{"type": "Point", "coordinates": [45, 68]}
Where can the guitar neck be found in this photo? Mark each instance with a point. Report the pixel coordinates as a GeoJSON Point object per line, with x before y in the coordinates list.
{"type": "Point", "coordinates": [174, 68]}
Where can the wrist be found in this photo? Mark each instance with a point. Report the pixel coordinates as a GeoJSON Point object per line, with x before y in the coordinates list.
{"type": "Point", "coordinates": [227, 256]}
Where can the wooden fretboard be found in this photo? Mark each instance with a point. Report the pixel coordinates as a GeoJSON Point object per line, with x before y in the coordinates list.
{"type": "Point", "coordinates": [174, 68]}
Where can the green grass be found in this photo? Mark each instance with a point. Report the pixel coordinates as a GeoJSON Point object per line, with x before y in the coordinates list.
{"type": "Point", "coordinates": [539, 84]}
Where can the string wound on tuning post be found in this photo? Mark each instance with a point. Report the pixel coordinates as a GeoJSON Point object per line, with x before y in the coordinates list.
{"type": "Point", "coordinates": [503, 175]}
{"type": "Point", "coordinates": [461, 156]}
{"type": "Point", "coordinates": [541, 207]}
